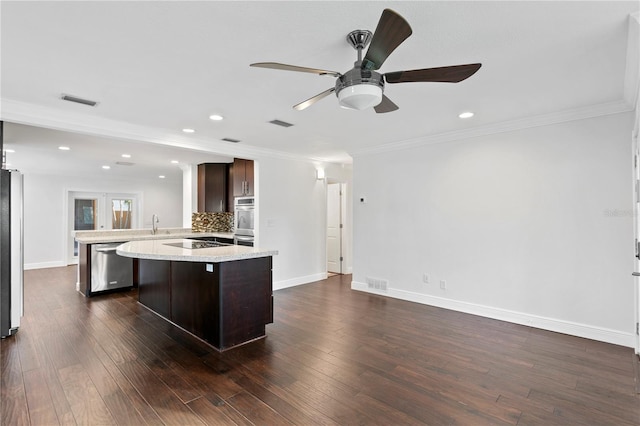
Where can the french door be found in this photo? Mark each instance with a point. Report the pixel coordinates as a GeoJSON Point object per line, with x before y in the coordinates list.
{"type": "Point", "coordinates": [99, 211]}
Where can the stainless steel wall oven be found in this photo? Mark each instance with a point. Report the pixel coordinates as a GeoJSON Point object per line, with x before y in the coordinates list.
{"type": "Point", "coordinates": [244, 208]}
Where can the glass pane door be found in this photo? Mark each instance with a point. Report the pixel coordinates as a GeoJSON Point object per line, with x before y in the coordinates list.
{"type": "Point", "coordinates": [121, 213]}
{"type": "Point", "coordinates": [99, 211]}
{"type": "Point", "coordinates": [85, 217]}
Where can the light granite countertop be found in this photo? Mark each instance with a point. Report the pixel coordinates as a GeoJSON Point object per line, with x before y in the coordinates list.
{"type": "Point", "coordinates": [160, 250]}
{"type": "Point", "coordinates": [124, 235]}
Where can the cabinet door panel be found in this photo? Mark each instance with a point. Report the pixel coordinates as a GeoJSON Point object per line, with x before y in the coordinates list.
{"type": "Point", "coordinates": [242, 177]}
{"type": "Point", "coordinates": [248, 177]}
{"type": "Point", "coordinates": [212, 187]}
{"type": "Point", "coordinates": [194, 300]}
{"type": "Point", "coordinates": [238, 177]}
{"type": "Point", "coordinates": [245, 288]}
{"type": "Point", "coordinates": [154, 285]}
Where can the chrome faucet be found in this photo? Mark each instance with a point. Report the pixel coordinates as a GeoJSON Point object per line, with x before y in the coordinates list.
{"type": "Point", "coordinates": [154, 224]}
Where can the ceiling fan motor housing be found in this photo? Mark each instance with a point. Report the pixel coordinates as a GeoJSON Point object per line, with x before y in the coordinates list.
{"type": "Point", "coordinates": [359, 89]}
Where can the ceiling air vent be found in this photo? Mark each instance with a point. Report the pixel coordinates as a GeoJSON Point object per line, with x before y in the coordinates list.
{"type": "Point", "coordinates": [124, 163]}
{"type": "Point", "coordinates": [231, 140]}
{"type": "Point", "coordinates": [78, 100]}
{"type": "Point", "coordinates": [281, 123]}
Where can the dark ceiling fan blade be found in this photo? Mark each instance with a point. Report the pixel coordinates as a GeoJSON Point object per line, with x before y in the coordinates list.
{"type": "Point", "coordinates": [385, 106]}
{"type": "Point", "coordinates": [391, 31]}
{"type": "Point", "coordinates": [452, 74]}
{"type": "Point", "coordinates": [313, 100]}
{"type": "Point", "coordinates": [277, 66]}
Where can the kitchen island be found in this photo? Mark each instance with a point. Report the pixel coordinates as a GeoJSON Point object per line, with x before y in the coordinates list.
{"type": "Point", "coordinates": [220, 293]}
{"type": "Point", "coordinates": [95, 275]}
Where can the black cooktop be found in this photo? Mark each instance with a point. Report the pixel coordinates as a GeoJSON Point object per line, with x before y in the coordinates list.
{"type": "Point", "coordinates": [195, 244]}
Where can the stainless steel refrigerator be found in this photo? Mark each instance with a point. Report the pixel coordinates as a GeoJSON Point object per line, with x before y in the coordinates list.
{"type": "Point", "coordinates": [11, 252]}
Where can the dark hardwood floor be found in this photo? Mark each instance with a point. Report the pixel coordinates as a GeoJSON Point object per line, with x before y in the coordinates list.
{"type": "Point", "coordinates": [333, 356]}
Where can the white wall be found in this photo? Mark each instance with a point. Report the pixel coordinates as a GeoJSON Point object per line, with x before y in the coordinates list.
{"type": "Point", "coordinates": [45, 205]}
{"type": "Point", "coordinates": [292, 219]}
{"type": "Point", "coordinates": [532, 226]}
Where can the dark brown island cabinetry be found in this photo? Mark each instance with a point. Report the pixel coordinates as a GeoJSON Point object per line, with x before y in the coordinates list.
{"type": "Point", "coordinates": [242, 176]}
{"type": "Point", "coordinates": [225, 304]}
{"type": "Point", "coordinates": [213, 194]}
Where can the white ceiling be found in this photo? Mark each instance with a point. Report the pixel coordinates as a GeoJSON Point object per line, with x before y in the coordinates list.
{"type": "Point", "coordinates": [156, 67]}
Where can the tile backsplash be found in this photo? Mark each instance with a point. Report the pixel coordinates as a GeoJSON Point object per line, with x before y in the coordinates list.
{"type": "Point", "coordinates": [212, 222]}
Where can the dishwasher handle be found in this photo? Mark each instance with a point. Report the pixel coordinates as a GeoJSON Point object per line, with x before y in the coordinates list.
{"type": "Point", "coordinates": [106, 249]}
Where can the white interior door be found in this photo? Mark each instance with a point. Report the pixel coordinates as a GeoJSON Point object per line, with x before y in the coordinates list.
{"type": "Point", "coordinates": [334, 228]}
{"type": "Point", "coordinates": [636, 273]}
{"type": "Point", "coordinates": [637, 260]}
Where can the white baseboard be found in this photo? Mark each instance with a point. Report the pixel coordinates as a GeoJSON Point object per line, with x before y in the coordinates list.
{"type": "Point", "coordinates": [42, 265]}
{"type": "Point", "coordinates": [279, 285]}
{"type": "Point", "coordinates": [560, 326]}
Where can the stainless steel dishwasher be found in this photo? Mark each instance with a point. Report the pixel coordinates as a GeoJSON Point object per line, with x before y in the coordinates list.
{"type": "Point", "coordinates": [108, 270]}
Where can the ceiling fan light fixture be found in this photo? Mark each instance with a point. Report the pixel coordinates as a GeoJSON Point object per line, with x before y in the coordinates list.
{"type": "Point", "coordinates": [360, 96]}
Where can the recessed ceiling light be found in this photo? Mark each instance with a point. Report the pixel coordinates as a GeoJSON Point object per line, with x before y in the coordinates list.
{"type": "Point", "coordinates": [106, 167]}
{"type": "Point", "coordinates": [161, 176]}
{"type": "Point", "coordinates": [216, 117]}
{"type": "Point", "coordinates": [174, 162]}
{"type": "Point", "coordinates": [466, 115]}
{"type": "Point", "coordinates": [126, 155]}
{"type": "Point", "coordinates": [188, 130]}
{"type": "Point", "coordinates": [9, 150]}
{"type": "Point", "coordinates": [64, 148]}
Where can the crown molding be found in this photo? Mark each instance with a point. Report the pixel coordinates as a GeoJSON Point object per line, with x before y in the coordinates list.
{"type": "Point", "coordinates": [52, 118]}
{"type": "Point", "coordinates": [503, 127]}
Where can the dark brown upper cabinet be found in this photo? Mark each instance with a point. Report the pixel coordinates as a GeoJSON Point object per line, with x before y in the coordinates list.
{"type": "Point", "coordinates": [212, 187]}
{"type": "Point", "coordinates": [242, 177]}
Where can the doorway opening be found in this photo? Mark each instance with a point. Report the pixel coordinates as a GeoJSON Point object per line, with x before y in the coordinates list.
{"type": "Point", "coordinates": [336, 208]}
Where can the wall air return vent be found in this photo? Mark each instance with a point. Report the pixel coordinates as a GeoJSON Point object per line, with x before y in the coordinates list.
{"type": "Point", "coordinates": [377, 284]}
{"type": "Point", "coordinates": [78, 100]}
{"type": "Point", "coordinates": [281, 123]}
{"type": "Point", "coordinates": [231, 140]}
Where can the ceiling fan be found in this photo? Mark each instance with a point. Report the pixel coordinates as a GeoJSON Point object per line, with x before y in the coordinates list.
{"type": "Point", "coordinates": [362, 87]}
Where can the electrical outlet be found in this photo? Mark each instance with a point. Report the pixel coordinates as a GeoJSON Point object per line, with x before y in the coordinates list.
{"type": "Point", "coordinates": [425, 278]}
{"type": "Point", "coordinates": [443, 284]}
